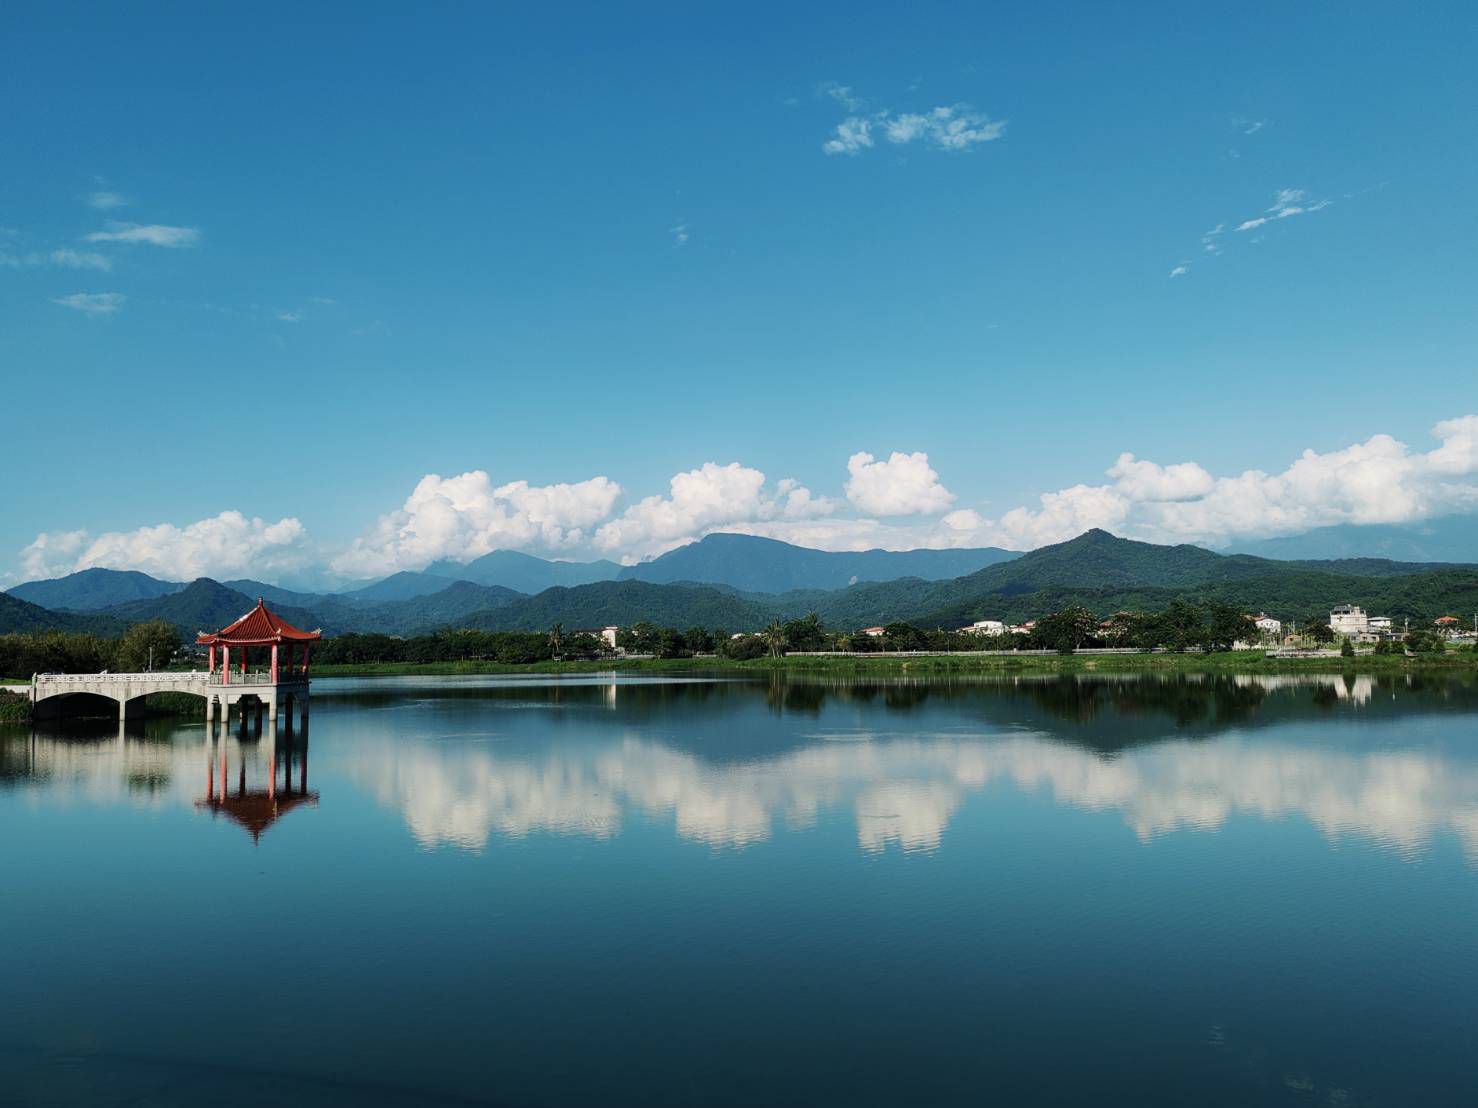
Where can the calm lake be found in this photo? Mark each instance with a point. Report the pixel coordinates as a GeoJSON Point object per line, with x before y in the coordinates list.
{"type": "Point", "coordinates": [1219, 891]}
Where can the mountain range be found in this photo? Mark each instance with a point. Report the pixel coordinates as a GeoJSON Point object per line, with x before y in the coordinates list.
{"type": "Point", "coordinates": [706, 587]}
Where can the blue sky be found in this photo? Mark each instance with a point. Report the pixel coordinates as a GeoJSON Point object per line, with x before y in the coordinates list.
{"type": "Point", "coordinates": [289, 265]}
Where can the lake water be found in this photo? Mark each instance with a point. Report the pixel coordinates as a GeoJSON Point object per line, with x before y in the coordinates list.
{"type": "Point", "coordinates": [590, 891]}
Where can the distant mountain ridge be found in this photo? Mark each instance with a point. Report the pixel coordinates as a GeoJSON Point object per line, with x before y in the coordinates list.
{"type": "Point", "coordinates": [1446, 539]}
{"type": "Point", "coordinates": [755, 564]}
{"type": "Point", "coordinates": [90, 590]}
{"type": "Point", "coordinates": [1096, 568]}
{"type": "Point", "coordinates": [524, 573]}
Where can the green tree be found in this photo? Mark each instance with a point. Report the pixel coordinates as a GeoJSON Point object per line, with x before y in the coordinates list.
{"type": "Point", "coordinates": [1346, 649]}
{"type": "Point", "coordinates": [147, 645]}
{"type": "Point", "coordinates": [1067, 630]}
{"type": "Point", "coordinates": [1228, 625]}
{"type": "Point", "coordinates": [774, 636]}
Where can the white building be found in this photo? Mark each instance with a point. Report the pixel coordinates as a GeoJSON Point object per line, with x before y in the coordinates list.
{"type": "Point", "coordinates": [985, 627]}
{"type": "Point", "coordinates": [1379, 624]}
{"type": "Point", "coordinates": [1267, 624]}
{"type": "Point", "coordinates": [874, 632]}
{"type": "Point", "coordinates": [1348, 619]}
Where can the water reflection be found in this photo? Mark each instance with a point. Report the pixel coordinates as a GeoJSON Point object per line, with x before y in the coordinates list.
{"type": "Point", "coordinates": [251, 778]}
{"type": "Point", "coordinates": [730, 764]}
{"type": "Point", "coordinates": [1138, 747]}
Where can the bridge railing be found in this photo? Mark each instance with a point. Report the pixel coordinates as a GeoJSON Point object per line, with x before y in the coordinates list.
{"type": "Point", "coordinates": [183, 677]}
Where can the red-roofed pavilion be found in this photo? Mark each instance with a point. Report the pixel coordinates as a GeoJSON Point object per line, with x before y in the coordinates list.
{"type": "Point", "coordinates": [261, 627]}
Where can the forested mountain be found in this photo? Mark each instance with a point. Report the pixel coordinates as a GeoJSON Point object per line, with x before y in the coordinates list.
{"type": "Point", "coordinates": [17, 615]}
{"type": "Point", "coordinates": [756, 564]}
{"type": "Point", "coordinates": [523, 572]}
{"type": "Point", "coordinates": [204, 605]}
{"type": "Point", "coordinates": [1096, 569]}
{"type": "Point", "coordinates": [625, 602]}
{"type": "Point", "coordinates": [90, 590]}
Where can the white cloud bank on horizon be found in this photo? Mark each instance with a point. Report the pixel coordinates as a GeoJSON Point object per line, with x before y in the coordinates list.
{"type": "Point", "coordinates": [898, 503]}
{"type": "Point", "coordinates": [222, 546]}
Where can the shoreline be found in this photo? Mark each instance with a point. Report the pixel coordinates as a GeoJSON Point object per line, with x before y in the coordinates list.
{"type": "Point", "coordinates": [1229, 662]}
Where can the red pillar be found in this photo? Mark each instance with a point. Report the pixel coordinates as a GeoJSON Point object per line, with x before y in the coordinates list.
{"type": "Point", "coordinates": [245, 654]}
{"type": "Point", "coordinates": [274, 663]}
{"type": "Point", "coordinates": [212, 657]}
{"type": "Point", "coordinates": [225, 665]}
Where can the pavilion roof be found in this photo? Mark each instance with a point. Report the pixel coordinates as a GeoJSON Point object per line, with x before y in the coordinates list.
{"type": "Point", "coordinates": [258, 627]}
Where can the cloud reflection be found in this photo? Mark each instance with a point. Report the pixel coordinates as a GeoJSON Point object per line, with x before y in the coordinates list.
{"type": "Point", "coordinates": [906, 791]}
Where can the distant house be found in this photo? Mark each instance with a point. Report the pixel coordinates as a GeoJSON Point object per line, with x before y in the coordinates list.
{"type": "Point", "coordinates": [1267, 624]}
{"type": "Point", "coordinates": [1024, 628]}
{"type": "Point", "coordinates": [1447, 625]}
{"type": "Point", "coordinates": [1381, 625]}
{"type": "Point", "coordinates": [1348, 619]}
{"type": "Point", "coordinates": [985, 627]}
{"type": "Point", "coordinates": [874, 632]}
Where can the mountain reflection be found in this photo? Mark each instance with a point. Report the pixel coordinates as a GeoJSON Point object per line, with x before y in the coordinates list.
{"type": "Point", "coordinates": [900, 759]}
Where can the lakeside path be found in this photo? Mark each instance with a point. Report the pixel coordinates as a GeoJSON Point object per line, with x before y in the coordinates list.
{"type": "Point", "coordinates": [1228, 662]}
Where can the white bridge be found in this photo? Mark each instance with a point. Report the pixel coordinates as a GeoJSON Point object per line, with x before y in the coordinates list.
{"type": "Point", "coordinates": [256, 691]}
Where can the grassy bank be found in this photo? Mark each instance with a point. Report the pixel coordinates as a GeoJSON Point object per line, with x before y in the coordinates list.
{"type": "Point", "coordinates": [1241, 661]}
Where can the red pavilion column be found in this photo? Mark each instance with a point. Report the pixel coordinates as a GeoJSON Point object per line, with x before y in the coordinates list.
{"type": "Point", "coordinates": [225, 665]}
{"type": "Point", "coordinates": [212, 657]}
{"type": "Point", "coordinates": [274, 663]}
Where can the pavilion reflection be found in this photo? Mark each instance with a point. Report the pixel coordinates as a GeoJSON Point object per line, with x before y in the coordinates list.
{"type": "Point", "coordinates": [257, 808]}
{"type": "Point", "coordinates": [255, 775]}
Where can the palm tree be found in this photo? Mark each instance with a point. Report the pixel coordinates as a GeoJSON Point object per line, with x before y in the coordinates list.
{"type": "Point", "coordinates": [775, 639]}
{"type": "Point", "coordinates": [556, 639]}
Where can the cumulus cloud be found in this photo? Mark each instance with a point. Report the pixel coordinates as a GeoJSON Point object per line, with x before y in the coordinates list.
{"type": "Point", "coordinates": [467, 516]}
{"type": "Point", "coordinates": [702, 500]}
{"type": "Point", "coordinates": [154, 234]}
{"type": "Point", "coordinates": [952, 127]}
{"type": "Point", "coordinates": [222, 546]}
{"type": "Point", "coordinates": [92, 303]}
{"type": "Point", "coordinates": [1380, 480]}
{"type": "Point", "coordinates": [901, 486]}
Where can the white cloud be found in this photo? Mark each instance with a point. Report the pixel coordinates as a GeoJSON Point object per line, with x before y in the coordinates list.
{"type": "Point", "coordinates": [1288, 202]}
{"type": "Point", "coordinates": [226, 545]}
{"type": "Point", "coordinates": [293, 316]}
{"type": "Point", "coordinates": [679, 233]}
{"type": "Point", "coordinates": [947, 127]}
{"type": "Point", "coordinates": [853, 135]}
{"type": "Point", "coordinates": [1180, 270]}
{"type": "Point", "coordinates": [106, 201]}
{"type": "Point", "coordinates": [1140, 480]}
{"type": "Point", "coordinates": [842, 95]}
{"type": "Point", "coordinates": [92, 303]}
{"type": "Point", "coordinates": [466, 516]}
{"type": "Point", "coordinates": [903, 485]}
{"type": "Point", "coordinates": [1380, 480]}
{"type": "Point", "coordinates": [704, 499]}
{"type": "Point", "coordinates": [154, 234]}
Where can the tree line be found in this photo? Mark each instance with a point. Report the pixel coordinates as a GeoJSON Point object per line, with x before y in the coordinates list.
{"type": "Point", "coordinates": [154, 643]}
